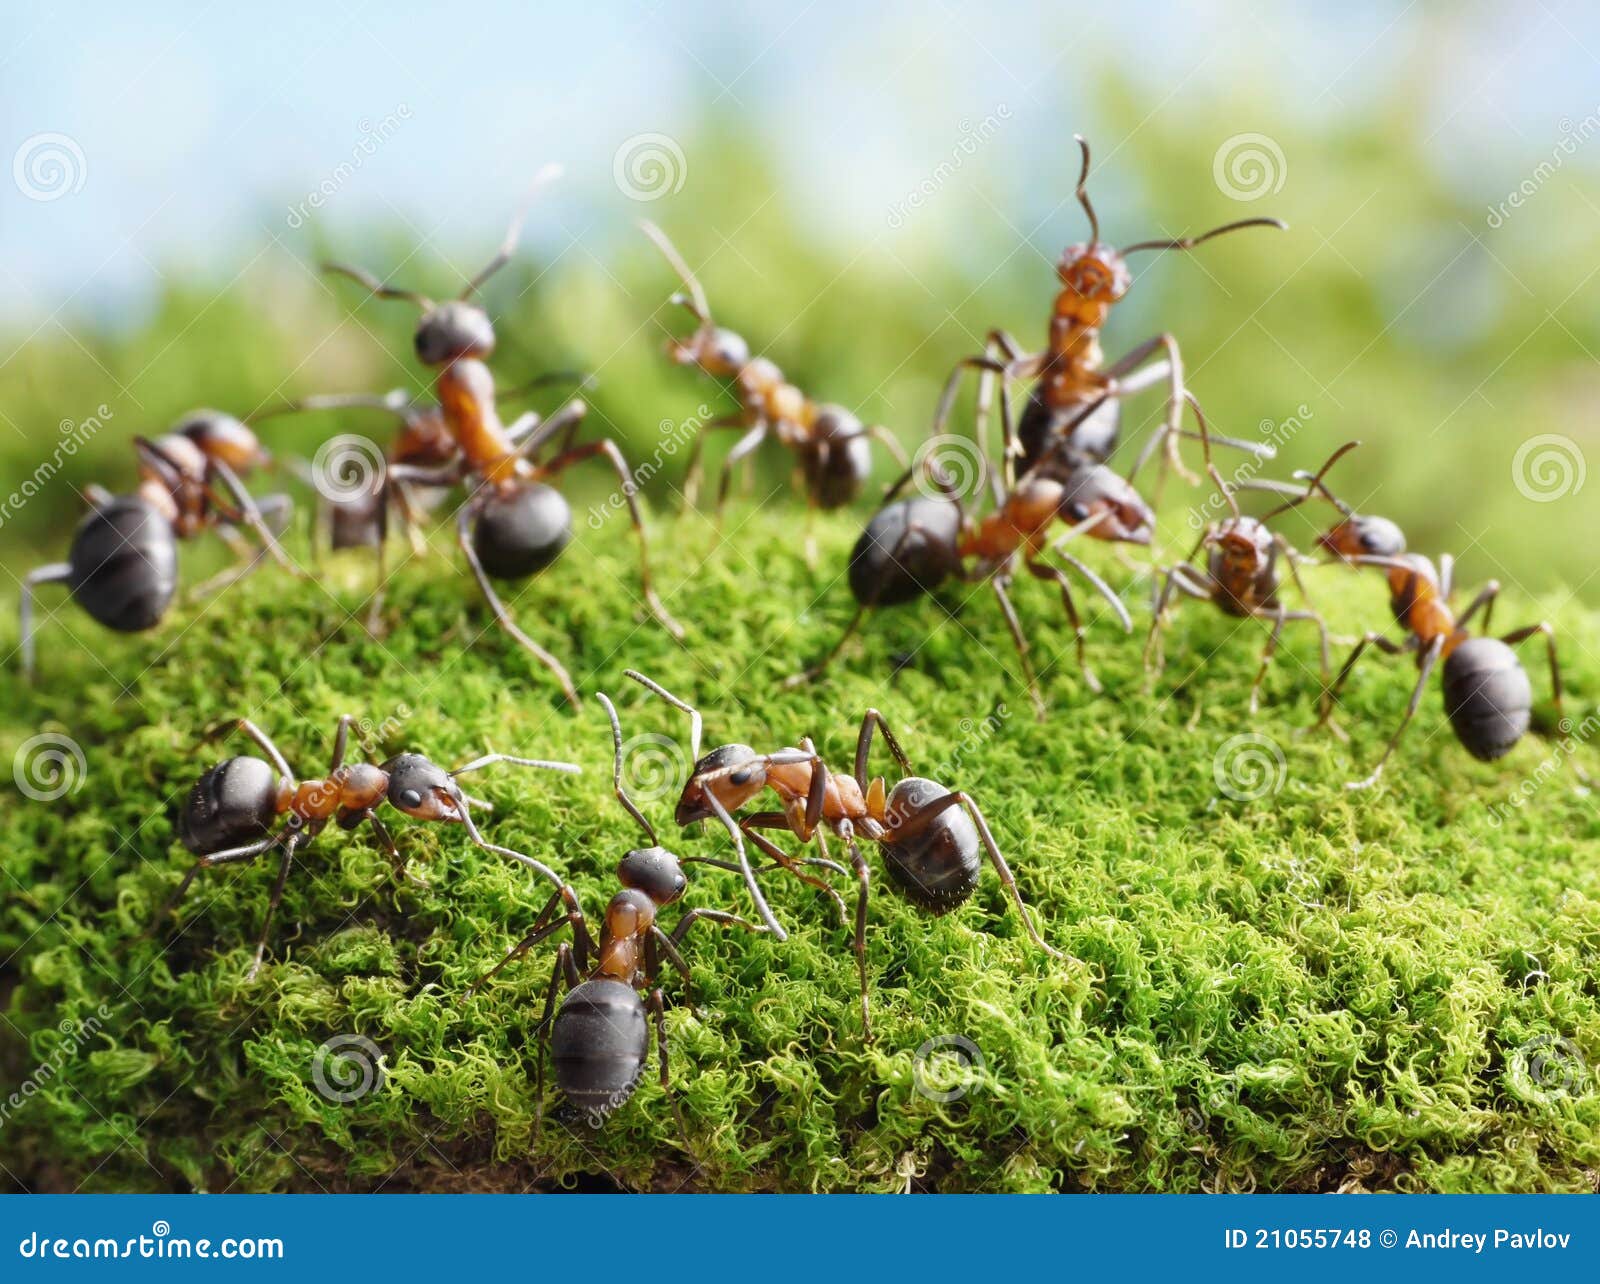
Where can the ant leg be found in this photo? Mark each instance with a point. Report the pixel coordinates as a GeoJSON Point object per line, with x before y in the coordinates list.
{"type": "Point", "coordinates": [817, 669]}
{"type": "Point", "coordinates": [730, 461]}
{"type": "Point", "coordinates": [391, 849]}
{"type": "Point", "coordinates": [543, 930]}
{"type": "Point", "coordinates": [695, 721]}
{"type": "Point", "coordinates": [563, 966]}
{"type": "Point", "coordinates": [1483, 602]}
{"type": "Point", "coordinates": [564, 423]}
{"type": "Point", "coordinates": [698, 915]}
{"type": "Point", "coordinates": [777, 820]}
{"type": "Point", "coordinates": [754, 888]}
{"type": "Point", "coordinates": [1279, 618]}
{"type": "Point", "coordinates": [261, 738]}
{"type": "Point", "coordinates": [1177, 576]}
{"type": "Point", "coordinates": [96, 495]}
{"type": "Point", "coordinates": [872, 721]}
{"type": "Point", "coordinates": [959, 798]}
{"type": "Point", "coordinates": [658, 1005]}
{"type": "Point", "coordinates": [608, 448]}
{"type": "Point", "coordinates": [1044, 571]}
{"type": "Point", "coordinates": [1175, 402]}
{"type": "Point", "coordinates": [1429, 659]}
{"type": "Point", "coordinates": [498, 608]}
{"type": "Point", "coordinates": [252, 517]}
{"type": "Point", "coordinates": [1368, 639]}
{"type": "Point", "coordinates": [55, 573]}
{"type": "Point", "coordinates": [1021, 641]}
{"type": "Point", "coordinates": [246, 560]}
{"type": "Point", "coordinates": [1517, 636]}
{"type": "Point", "coordinates": [285, 862]}
{"type": "Point", "coordinates": [406, 510]}
{"type": "Point", "coordinates": [231, 856]}
{"type": "Point", "coordinates": [694, 471]}
{"type": "Point", "coordinates": [846, 831]}
{"type": "Point", "coordinates": [891, 443]}
{"type": "Point", "coordinates": [473, 832]}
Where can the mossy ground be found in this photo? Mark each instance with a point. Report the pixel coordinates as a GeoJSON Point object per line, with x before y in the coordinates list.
{"type": "Point", "coordinates": [1308, 991]}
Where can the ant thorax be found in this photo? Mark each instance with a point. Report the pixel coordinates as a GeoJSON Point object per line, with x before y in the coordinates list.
{"type": "Point", "coordinates": [466, 398]}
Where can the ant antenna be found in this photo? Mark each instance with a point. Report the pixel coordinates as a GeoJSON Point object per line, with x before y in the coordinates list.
{"type": "Point", "coordinates": [696, 301]}
{"type": "Point", "coordinates": [397, 401]}
{"type": "Point", "coordinates": [1205, 446]}
{"type": "Point", "coordinates": [362, 277]}
{"type": "Point", "coordinates": [1189, 242]}
{"type": "Point", "coordinates": [1083, 192]}
{"type": "Point", "coordinates": [616, 771]}
{"type": "Point", "coordinates": [502, 256]}
{"type": "Point", "coordinates": [694, 714]}
{"type": "Point", "coordinates": [1315, 483]}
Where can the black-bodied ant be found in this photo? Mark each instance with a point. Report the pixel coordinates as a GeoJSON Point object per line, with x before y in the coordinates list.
{"type": "Point", "coordinates": [1241, 576]}
{"type": "Point", "coordinates": [232, 814]}
{"type": "Point", "coordinates": [1070, 371]}
{"type": "Point", "coordinates": [513, 523]}
{"type": "Point", "coordinates": [831, 445]}
{"type": "Point", "coordinates": [913, 545]}
{"type": "Point", "coordinates": [122, 565]}
{"type": "Point", "coordinates": [599, 1037]}
{"type": "Point", "coordinates": [933, 839]}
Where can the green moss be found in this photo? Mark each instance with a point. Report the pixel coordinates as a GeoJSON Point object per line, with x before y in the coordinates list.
{"type": "Point", "coordinates": [1392, 989]}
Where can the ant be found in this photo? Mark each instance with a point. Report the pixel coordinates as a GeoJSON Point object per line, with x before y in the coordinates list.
{"type": "Point", "coordinates": [1241, 577]}
{"type": "Point", "coordinates": [1487, 696]}
{"type": "Point", "coordinates": [122, 565]}
{"type": "Point", "coordinates": [933, 839]}
{"type": "Point", "coordinates": [599, 1037]}
{"type": "Point", "coordinates": [513, 523]}
{"type": "Point", "coordinates": [913, 545]}
{"type": "Point", "coordinates": [232, 810]}
{"type": "Point", "coordinates": [1070, 371]}
{"type": "Point", "coordinates": [831, 445]}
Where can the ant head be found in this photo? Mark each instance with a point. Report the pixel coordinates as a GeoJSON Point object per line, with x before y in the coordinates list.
{"type": "Point", "coordinates": [655, 872]}
{"type": "Point", "coordinates": [720, 352]}
{"type": "Point", "coordinates": [737, 774]}
{"type": "Point", "coordinates": [1094, 272]}
{"type": "Point", "coordinates": [422, 790]}
{"type": "Point", "coordinates": [1097, 491]}
{"type": "Point", "coordinates": [221, 437]}
{"type": "Point", "coordinates": [453, 330]}
{"type": "Point", "coordinates": [1243, 542]}
{"type": "Point", "coordinates": [1361, 536]}
{"type": "Point", "coordinates": [629, 913]}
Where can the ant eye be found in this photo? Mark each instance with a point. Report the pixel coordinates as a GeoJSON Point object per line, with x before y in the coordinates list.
{"type": "Point", "coordinates": [740, 777]}
{"type": "Point", "coordinates": [410, 798]}
{"type": "Point", "coordinates": [1078, 510]}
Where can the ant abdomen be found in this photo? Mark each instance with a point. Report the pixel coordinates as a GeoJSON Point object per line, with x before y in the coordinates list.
{"type": "Point", "coordinates": [233, 803]}
{"type": "Point", "coordinates": [521, 529]}
{"type": "Point", "coordinates": [909, 548]}
{"type": "Point", "coordinates": [124, 561]}
{"type": "Point", "coordinates": [840, 458]}
{"type": "Point", "coordinates": [937, 867]}
{"type": "Point", "coordinates": [1041, 427]}
{"type": "Point", "coordinates": [598, 1044]}
{"type": "Point", "coordinates": [1487, 697]}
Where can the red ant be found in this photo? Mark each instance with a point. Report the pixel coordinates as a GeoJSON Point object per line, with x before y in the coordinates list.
{"type": "Point", "coordinates": [1070, 371]}
{"type": "Point", "coordinates": [1241, 576]}
{"type": "Point", "coordinates": [933, 839]}
{"type": "Point", "coordinates": [122, 566]}
{"type": "Point", "coordinates": [513, 524]}
{"type": "Point", "coordinates": [232, 809]}
{"type": "Point", "coordinates": [1487, 696]}
{"type": "Point", "coordinates": [831, 444]}
{"type": "Point", "coordinates": [912, 545]}
{"type": "Point", "coordinates": [599, 1038]}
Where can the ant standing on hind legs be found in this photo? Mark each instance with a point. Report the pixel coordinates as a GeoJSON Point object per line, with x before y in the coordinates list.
{"type": "Point", "coordinates": [513, 523]}
{"type": "Point", "coordinates": [933, 839]}
{"type": "Point", "coordinates": [599, 1037]}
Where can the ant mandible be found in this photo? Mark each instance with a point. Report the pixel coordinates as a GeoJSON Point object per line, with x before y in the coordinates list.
{"type": "Point", "coordinates": [232, 810]}
{"type": "Point", "coordinates": [831, 445]}
{"type": "Point", "coordinates": [1070, 371]}
{"type": "Point", "coordinates": [1241, 577]}
{"type": "Point", "coordinates": [912, 545]}
{"type": "Point", "coordinates": [933, 839]}
{"type": "Point", "coordinates": [122, 565]}
{"type": "Point", "coordinates": [599, 1037]}
{"type": "Point", "coordinates": [513, 523]}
